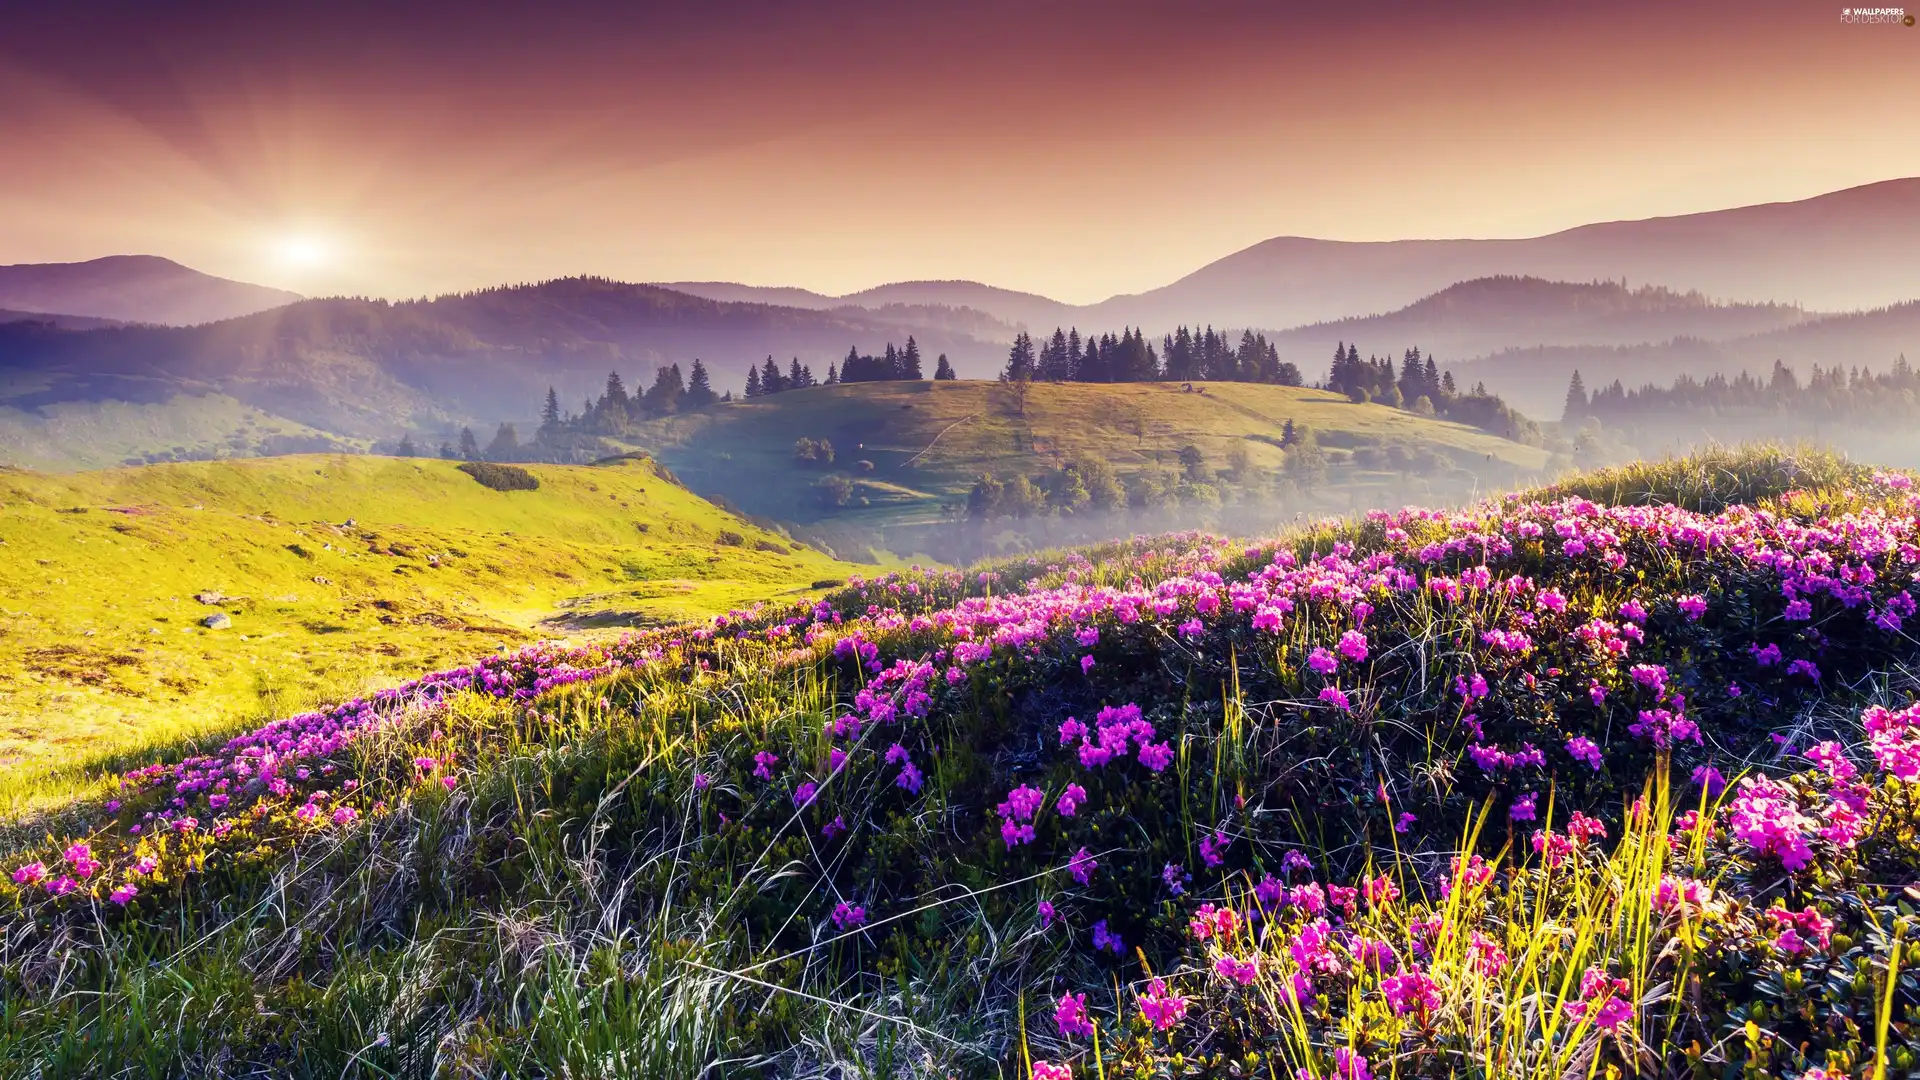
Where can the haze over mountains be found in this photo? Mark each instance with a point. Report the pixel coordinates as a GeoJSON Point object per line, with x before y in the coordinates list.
{"type": "Point", "coordinates": [1638, 301]}
{"type": "Point", "coordinates": [133, 288]}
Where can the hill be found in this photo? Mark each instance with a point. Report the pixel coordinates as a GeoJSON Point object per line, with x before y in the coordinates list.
{"type": "Point", "coordinates": [1840, 251]}
{"type": "Point", "coordinates": [133, 288]}
{"type": "Point", "coordinates": [339, 573]}
{"type": "Point", "coordinates": [926, 443]}
{"type": "Point", "coordinates": [359, 370]}
{"type": "Point", "coordinates": [63, 322]}
{"type": "Point", "coordinates": [1011, 307]}
{"type": "Point", "coordinates": [1535, 380]}
{"type": "Point", "coordinates": [1372, 798]}
{"type": "Point", "coordinates": [1487, 315]}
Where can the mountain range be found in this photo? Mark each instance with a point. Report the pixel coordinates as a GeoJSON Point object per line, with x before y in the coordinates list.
{"type": "Point", "coordinates": [133, 288]}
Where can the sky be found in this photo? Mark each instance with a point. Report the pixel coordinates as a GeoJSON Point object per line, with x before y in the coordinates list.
{"type": "Point", "coordinates": [1072, 149]}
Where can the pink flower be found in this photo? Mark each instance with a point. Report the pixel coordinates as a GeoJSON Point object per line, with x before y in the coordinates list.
{"type": "Point", "coordinates": [1045, 909]}
{"type": "Point", "coordinates": [847, 916]}
{"type": "Point", "coordinates": [124, 894]}
{"type": "Point", "coordinates": [1353, 646]}
{"type": "Point", "coordinates": [763, 763]}
{"type": "Point", "coordinates": [1337, 698]}
{"type": "Point", "coordinates": [32, 873]}
{"type": "Point", "coordinates": [1046, 1070]}
{"type": "Point", "coordinates": [1584, 749]}
{"type": "Point", "coordinates": [1069, 802]}
{"type": "Point", "coordinates": [1086, 664]}
{"type": "Point", "coordinates": [344, 815]}
{"type": "Point", "coordinates": [1411, 992]}
{"type": "Point", "coordinates": [1322, 662]}
{"type": "Point", "coordinates": [1236, 970]}
{"type": "Point", "coordinates": [1070, 1016]}
{"type": "Point", "coordinates": [1162, 1007]}
{"type": "Point", "coordinates": [1693, 607]}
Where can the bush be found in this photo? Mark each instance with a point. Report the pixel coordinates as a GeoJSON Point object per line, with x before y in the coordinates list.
{"type": "Point", "coordinates": [500, 477]}
{"type": "Point", "coordinates": [729, 538]}
{"type": "Point", "coordinates": [768, 545]}
{"type": "Point", "coordinates": [834, 491]}
{"type": "Point", "coordinates": [827, 583]}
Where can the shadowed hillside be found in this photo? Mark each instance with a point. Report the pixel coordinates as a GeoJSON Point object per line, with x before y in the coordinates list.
{"type": "Point", "coordinates": [133, 288]}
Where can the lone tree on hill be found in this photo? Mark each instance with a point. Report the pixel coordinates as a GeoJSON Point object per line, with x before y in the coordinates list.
{"type": "Point", "coordinates": [699, 387]}
{"type": "Point", "coordinates": [405, 449]}
{"type": "Point", "coordinates": [1576, 399]}
{"type": "Point", "coordinates": [943, 371]}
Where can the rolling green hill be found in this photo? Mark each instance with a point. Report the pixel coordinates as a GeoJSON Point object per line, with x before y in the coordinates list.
{"type": "Point", "coordinates": [338, 572]}
{"type": "Point", "coordinates": [926, 442]}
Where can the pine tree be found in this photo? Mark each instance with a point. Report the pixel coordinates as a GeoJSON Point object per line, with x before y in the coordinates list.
{"type": "Point", "coordinates": [943, 371]}
{"type": "Point", "coordinates": [1073, 353]}
{"type": "Point", "coordinates": [910, 361]}
{"type": "Point", "coordinates": [616, 392]}
{"type": "Point", "coordinates": [447, 452]}
{"type": "Point", "coordinates": [405, 449]}
{"type": "Point", "coordinates": [771, 381]}
{"type": "Point", "coordinates": [505, 445]}
{"type": "Point", "coordinates": [549, 416]}
{"type": "Point", "coordinates": [1577, 403]}
{"type": "Point", "coordinates": [753, 382]}
{"type": "Point", "coordinates": [833, 374]}
{"type": "Point", "coordinates": [699, 388]}
{"type": "Point", "coordinates": [469, 446]}
{"type": "Point", "coordinates": [1055, 366]}
{"type": "Point", "coordinates": [1020, 362]}
{"type": "Point", "coordinates": [795, 380]}
{"type": "Point", "coordinates": [663, 397]}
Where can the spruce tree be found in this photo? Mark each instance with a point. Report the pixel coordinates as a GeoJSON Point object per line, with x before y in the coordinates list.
{"type": "Point", "coordinates": [753, 382]}
{"type": "Point", "coordinates": [910, 361]}
{"type": "Point", "coordinates": [1576, 406]}
{"type": "Point", "coordinates": [771, 381]}
{"type": "Point", "coordinates": [447, 452]}
{"type": "Point", "coordinates": [405, 449]}
{"type": "Point", "coordinates": [943, 371]}
{"type": "Point", "coordinates": [469, 446]}
{"type": "Point", "coordinates": [616, 391]}
{"type": "Point", "coordinates": [505, 445]}
{"type": "Point", "coordinates": [699, 387]}
{"type": "Point", "coordinates": [549, 415]}
{"type": "Point", "coordinates": [1020, 362]}
{"type": "Point", "coordinates": [795, 379]}
{"type": "Point", "coordinates": [833, 375]}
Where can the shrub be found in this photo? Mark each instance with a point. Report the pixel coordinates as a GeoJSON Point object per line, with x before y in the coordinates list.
{"type": "Point", "coordinates": [500, 477]}
{"type": "Point", "coordinates": [834, 491]}
{"type": "Point", "coordinates": [729, 538]}
{"type": "Point", "coordinates": [768, 545]}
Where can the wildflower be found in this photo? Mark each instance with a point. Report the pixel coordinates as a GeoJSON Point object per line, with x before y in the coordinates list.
{"type": "Point", "coordinates": [1693, 607]}
{"type": "Point", "coordinates": [1708, 777]}
{"type": "Point", "coordinates": [909, 778]}
{"type": "Point", "coordinates": [836, 758]}
{"type": "Point", "coordinates": [1086, 664]}
{"type": "Point", "coordinates": [1069, 802]}
{"type": "Point", "coordinates": [1488, 958]}
{"type": "Point", "coordinates": [1156, 756]}
{"type": "Point", "coordinates": [1045, 909]}
{"type": "Point", "coordinates": [804, 794]}
{"type": "Point", "coordinates": [62, 885]}
{"type": "Point", "coordinates": [1405, 822]}
{"type": "Point", "coordinates": [146, 864]}
{"type": "Point", "coordinates": [847, 916]}
{"type": "Point", "coordinates": [1070, 1016]}
{"type": "Point", "coordinates": [1269, 892]}
{"type": "Point", "coordinates": [1236, 970]}
{"type": "Point", "coordinates": [1173, 874]}
{"type": "Point", "coordinates": [1082, 866]}
{"type": "Point", "coordinates": [32, 873]}
{"type": "Point", "coordinates": [1337, 698]}
{"type": "Point", "coordinates": [1212, 847]}
{"type": "Point", "coordinates": [1162, 1007]}
{"type": "Point", "coordinates": [1322, 662]}
{"type": "Point", "coordinates": [1522, 809]}
{"type": "Point", "coordinates": [1353, 646]}
{"type": "Point", "coordinates": [1633, 611]}
{"type": "Point", "coordinates": [763, 763]}
{"type": "Point", "coordinates": [1104, 938]}
{"type": "Point", "coordinates": [344, 815]}
{"type": "Point", "coordinates": [1411, 992]}
{"type": "Point", "coordinates": [1805, 669]}
{"type": "Point", "coordinates": [1765, 657]}
{"type": "Point", "coordinates": [449, 782]}
{"type": "Point", "coordinates": [835, 827]}
{"type": "Point", "coordinates": [1046, 1070]}
{"type": "Point", "coordinates": [1381, 891]}
{"type": "Point", "coordinates": [1584, 749]}
{"type": "Point", "coordinates": [1601, 1000]}
{"type": "Point", "coordinates": [1766, 817]}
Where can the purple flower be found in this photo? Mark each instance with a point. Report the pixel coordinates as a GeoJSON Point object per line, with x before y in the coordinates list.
{"type": "Point", "coordinates": [1806, 669]}
{"type": "Point", "coordinates": [763, 763]}
{"type": "Point", "coordinates": [124, 894]}
{"type": "Point", "coordinates": [1070, 1016]}
{"type": "Point", "coordinates": [1353, 646]}
{"type": "Point", "coordinates": [1174, 875]}
{"type": "Point", "coordinates": [1046, 914]}
{"type": "Point", "coordinates": [1322, 662]}
{"type": "Point", "coordinates": [1522, 809]}
{"type": "Point", "coordinates": [847, 916]}
{"type": "Point", "coordinates": [909, 778]}
{"type": "Point", "coordinates": [1708, 777]}
{"type": "Point", "coordinates": [1070, 800]}
{"type": "Point", "coordinates": [1082, 866]}
{"type": "Point", "coordinates": [1693, 607]}
{"type": "Point", "coordinates": [803, 795]}
{"type": "Point", "coordinates": [701, 781]}
{"type": "Point", "coordinates": [1584, 749]}
{"type": "Point", "coordinates": [1406, 822]}
{"type": "Point", "coordinates": [1086, 664]}
{"type": "Point", "coordinates": [1337, 698]}
{"type": "Point", "coordinates": [1107, 939]}
{"type": "Point", "coordinates": [1156, 756]}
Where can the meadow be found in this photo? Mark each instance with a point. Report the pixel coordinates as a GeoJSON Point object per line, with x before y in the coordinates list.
{"type": "Point", "coordinates": [338, 574]}
{"type": "Point", "coordinates": [1608, 778]}
{"type": "Point", "coordinates": [912, 450]}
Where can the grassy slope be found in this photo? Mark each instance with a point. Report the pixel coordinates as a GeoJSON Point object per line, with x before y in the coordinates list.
{"type": "Point", "coordinates": [928, 440]}
{"type": "Point", "coordinates": [100, 635]}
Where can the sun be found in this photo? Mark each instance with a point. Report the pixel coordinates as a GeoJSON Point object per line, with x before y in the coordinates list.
{"type": "Point", "coordinates": [304, 251]}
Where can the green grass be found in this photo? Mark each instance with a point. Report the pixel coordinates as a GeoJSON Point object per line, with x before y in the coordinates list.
{"type": "Point", "coordinates": [928, 441]}
{"type": "Point", "coordinates": [101, 434]}
{"type": "Point", "coordinates": [101, 642]}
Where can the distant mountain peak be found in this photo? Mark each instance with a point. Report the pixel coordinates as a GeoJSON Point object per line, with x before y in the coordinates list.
{"type": "Point", "coordinates": [133, 288]}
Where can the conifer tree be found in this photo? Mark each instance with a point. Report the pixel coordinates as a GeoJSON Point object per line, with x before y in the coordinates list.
{"type": "Point", "coordinates": [616, 392]}
{"type": "Point", "coordinates": [943, 371]}
{"type": "Point", "coordinates": [505, 445]}
{"type": "Point", "coordinates": [549, 416]}
{"type": "Point", "coordinates": [910, 361]}
{"type": "Point", "coordinates": [753, 382]}
{"type": "Point", "coordinates": [1020, 360]}
{"type": "Point", "coordinates": [469, 446]}
{"type": "Point", "coordinates": [699, 387]}
{"type": "Point", "coordinates": [771, 381]}
{"type": "Point", "coordinates": [833, 374]}
{"type": "Point", "coordinates": [795, 379]}
{"type": "Point", "coordinates": [1576, 406]}
{"type": "Point", "coordinates": [405, 449]}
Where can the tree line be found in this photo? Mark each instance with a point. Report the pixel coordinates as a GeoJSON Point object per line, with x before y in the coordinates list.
{"type": "Point", "coordinates": [1186, 355]}
{"type": "Point", "coordinates": [894, 365]}
{"type": "Point", "coordinates": [1835, 393]}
